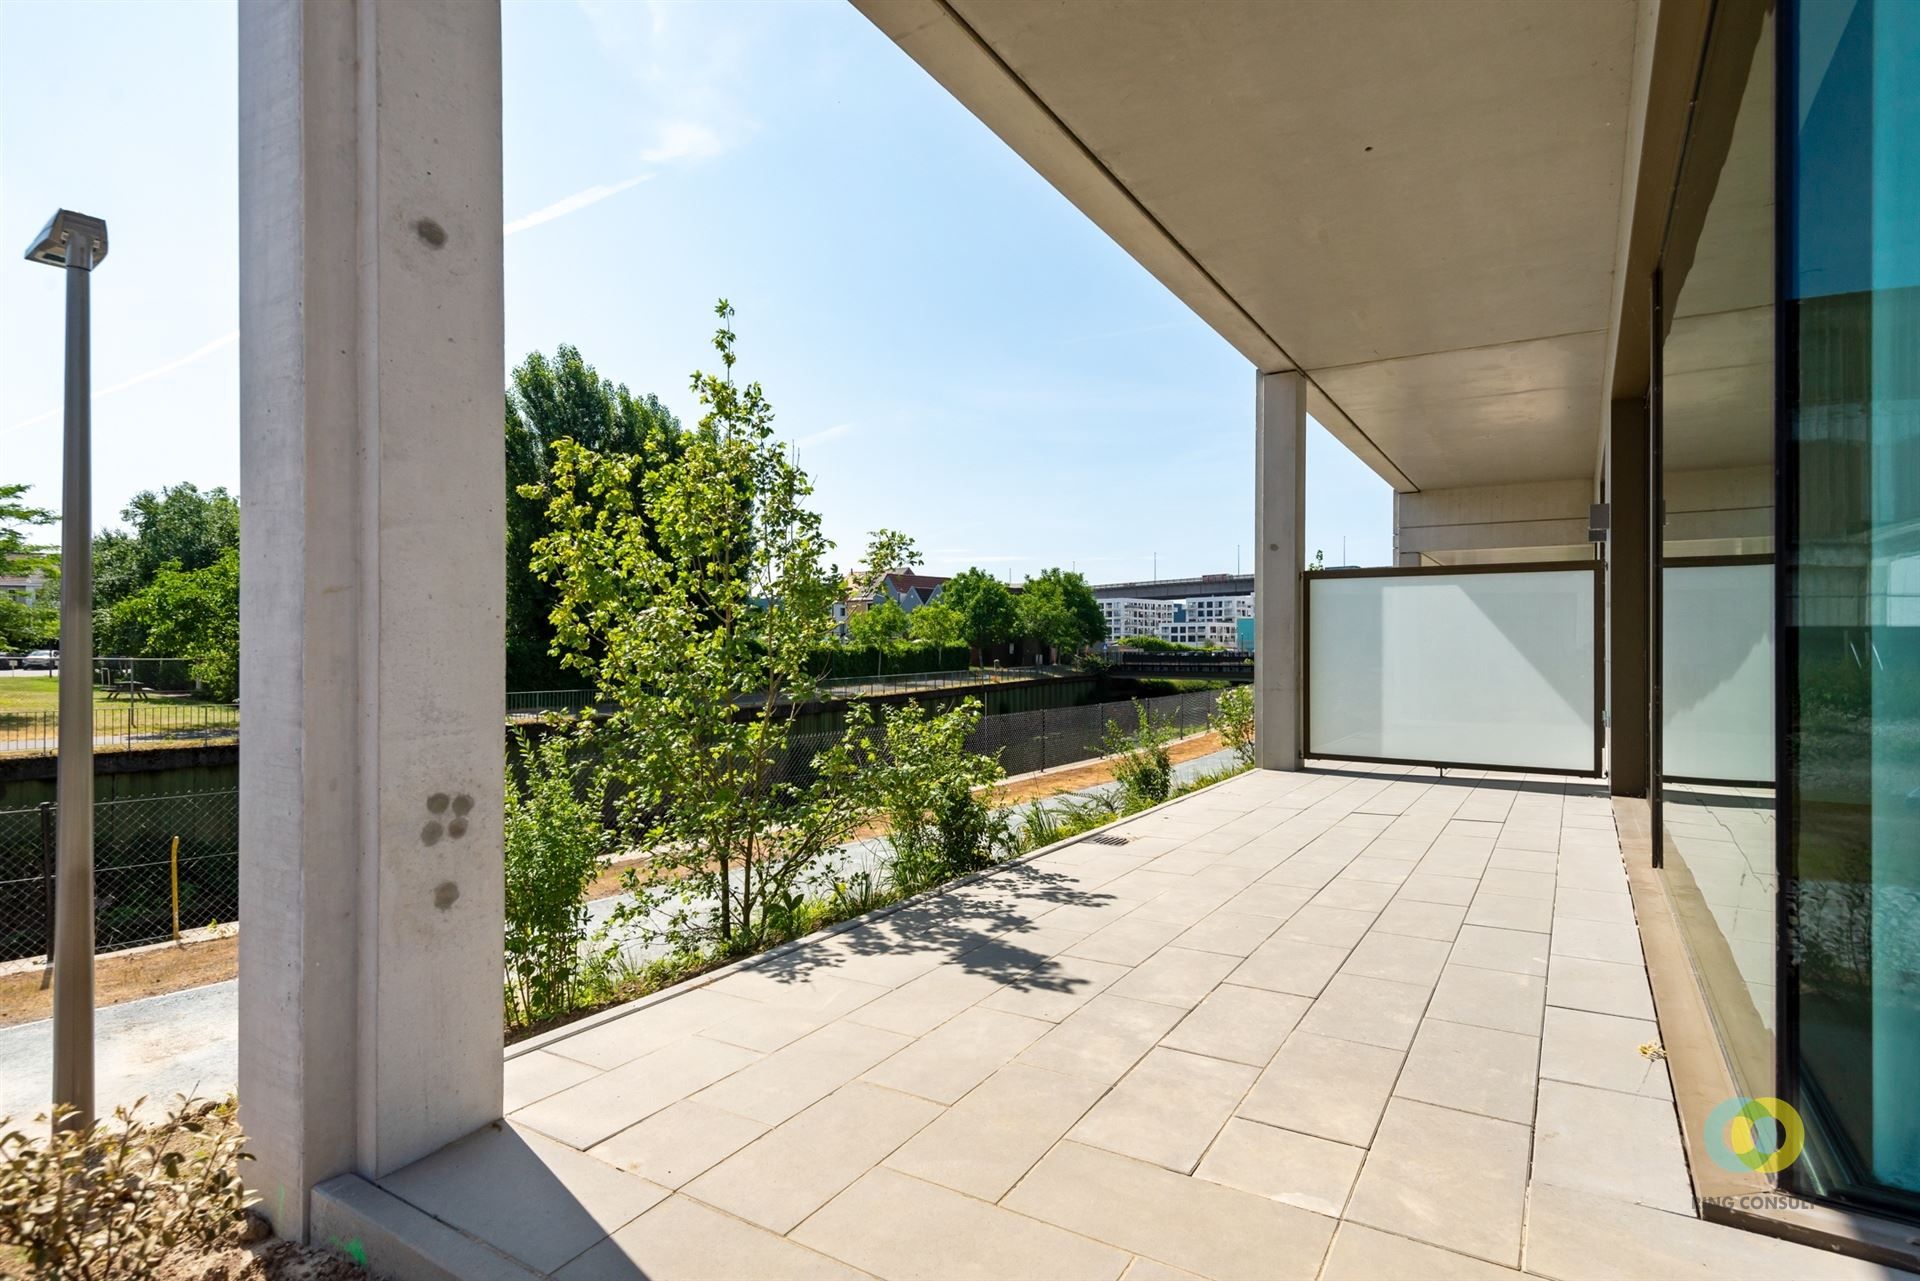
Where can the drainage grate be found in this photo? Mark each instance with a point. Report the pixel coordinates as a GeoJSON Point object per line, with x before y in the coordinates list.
{"type": "Point", "coordinates": [1106, 840]}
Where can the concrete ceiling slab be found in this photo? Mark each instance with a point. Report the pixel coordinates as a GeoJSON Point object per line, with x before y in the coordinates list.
{"type": "Point", "coordinates": [1481, 415]}
{"type": "Point", "coordinates": [1332, 185]}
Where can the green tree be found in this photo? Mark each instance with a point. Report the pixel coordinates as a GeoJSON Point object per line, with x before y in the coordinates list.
{"type": "Point", "coordinates": [548, 400]}
{"type": "Point", "coordinates": [1058, 612]}
{"type": "Point", "coordinates": [888, 552]}
{"type": "Point", "coordinates": [192, 614]}
{"type": "Point", "coordinates": [179, 526]}
{"type": "Point", "coordinates": [24, 626]}
{"type": "Point", "coordinates": [1232, 720]}
{"type": "Point", "coordinates": [880, 625]}
{"type": "Point", "coordinates": [937, 623]}
{"type": "Point", "coordinates": [936, 796]}
{"type": "Point", "coordinates": [695, 592]}
{"type": "Point", "coordinates": [555, 960]}
{"type": "Point", "coordinates": [16, 517]}
{"type": "Point", "coordinates": [985, 607]}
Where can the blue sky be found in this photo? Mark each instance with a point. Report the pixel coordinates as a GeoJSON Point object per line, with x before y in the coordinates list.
{"type": "Point", "coordinates": [954, 349]}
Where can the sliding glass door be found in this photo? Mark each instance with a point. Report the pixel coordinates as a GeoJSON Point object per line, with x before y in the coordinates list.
{"type": "Point", "coordinates": [1849, 136]}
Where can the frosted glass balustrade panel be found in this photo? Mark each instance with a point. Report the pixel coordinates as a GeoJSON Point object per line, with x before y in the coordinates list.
{"type": "Point", "coordinates": [1492, 669]}
{"type": "Point", "coordinates": [1717, 671]}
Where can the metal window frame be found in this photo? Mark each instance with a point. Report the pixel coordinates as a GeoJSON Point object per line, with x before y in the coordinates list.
{"type": "Point", "coordinates": [1594, 567]}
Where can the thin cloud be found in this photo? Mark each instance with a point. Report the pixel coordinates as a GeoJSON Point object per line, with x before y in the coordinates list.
{"type": "Point", "coordinates": [824, 435]}
{"type": "Point", "coordinates": [158, 371]}
{"type": "Point", "coordinates": [572, 204]}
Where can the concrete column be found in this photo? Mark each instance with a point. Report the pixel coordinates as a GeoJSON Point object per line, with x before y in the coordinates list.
{"type": "Point", "coordinates": [372, 602]}
{"type": "Point", "coordinates": [1627, 599]}
{"type": "Point", "coordinates": [1279, 554]}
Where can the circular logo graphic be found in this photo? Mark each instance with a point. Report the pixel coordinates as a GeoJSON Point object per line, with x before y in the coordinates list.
{"type": "Point", "coordinates": [1761, 1135]}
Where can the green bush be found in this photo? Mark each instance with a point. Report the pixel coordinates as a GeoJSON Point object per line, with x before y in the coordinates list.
{"type": "Point", "coordinates": [1140, 761]}
{"type": "Point", "coordinates": [554, 840]}
{"type": "Point", "coordinates": [1232, 720]}
{"type": "Point", "coordinates": [923, 781]}
{"type": "Point", "coordinates": [116, 1198]}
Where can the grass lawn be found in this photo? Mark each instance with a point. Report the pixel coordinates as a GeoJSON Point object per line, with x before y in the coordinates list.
{"type": "Point", "coordinates": [27, 702]}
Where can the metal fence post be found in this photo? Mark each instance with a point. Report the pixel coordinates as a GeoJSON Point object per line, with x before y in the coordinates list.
{"type": "Point", "coordinates": [46, 869]}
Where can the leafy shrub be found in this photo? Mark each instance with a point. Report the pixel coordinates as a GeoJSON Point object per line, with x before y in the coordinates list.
{"type": "Point", "coordinates": [901, 658]}
{"type": "Point", "coordinates": [1232, 719]}
{"type": "Point", "coordinates": [1140, 761]}
{"type": "Point", "coordinates": [553, 846]}
{"type": "Point", "coordinates": [114, 1199]}
{"type": "Point", "coordinates": [922, 780]}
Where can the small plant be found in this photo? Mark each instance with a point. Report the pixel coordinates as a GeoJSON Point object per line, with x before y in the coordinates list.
{"type": "Point", "coordinates": [555, 962]}
{"type": "Point", "coordinates": [115, 1198]}
{"type": "Point", "coordinates": [935, 794]}
{"type": "Point", "coordinates": [1232, 720]}
{"type": "Point", "coordinates": [1140, 761]}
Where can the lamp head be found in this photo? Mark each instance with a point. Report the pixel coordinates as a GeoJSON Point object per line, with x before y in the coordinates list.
{"type": "Point", "coordinates": [50, 246]}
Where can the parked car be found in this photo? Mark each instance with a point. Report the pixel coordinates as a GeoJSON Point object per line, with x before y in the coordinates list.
{"type": "Point", "coordinates": [45, 660]}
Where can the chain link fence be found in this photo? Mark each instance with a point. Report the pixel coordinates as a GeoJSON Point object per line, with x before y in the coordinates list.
{"type": "Point", "coordinates": [1036, 740]}
{"type": "Point", "coordinates": [142, 881]}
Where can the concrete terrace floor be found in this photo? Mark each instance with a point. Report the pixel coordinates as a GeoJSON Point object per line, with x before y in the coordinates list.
{"type": "Point", "coordinates": [1356, 1024]}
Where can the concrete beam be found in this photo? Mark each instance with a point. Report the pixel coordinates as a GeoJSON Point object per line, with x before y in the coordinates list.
{"type": "Point", "coordinates": [1279, 554]}
{"type": "Point", "coordinates": [1540, 514]}
{"type": "Point", "coordinates": [373, 602]}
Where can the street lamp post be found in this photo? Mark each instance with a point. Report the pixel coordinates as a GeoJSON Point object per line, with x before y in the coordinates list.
{"type": "Point", "coordinates": [77, 243]}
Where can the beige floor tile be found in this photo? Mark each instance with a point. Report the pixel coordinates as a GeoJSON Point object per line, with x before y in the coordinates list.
{"type": "Point", "coordinates": [1511, 912]}
{"type": "Point", "coordinates": [1424, 887]}
{"type": "Point", "coordinates": [1356, 894]}
{"type": "Point", "coordinates": [1602, 987]}
{"type": "Point", "coordinates": [1372, 1011]}
{"type": "Point", "coordinates": [790, 1080]}
{"type": "Point", "coordinates": [1375, 866]}
{"type": "Point", "coordinates": [1594, 905]}
{"type": "Point", "coordinates": [1489, 998]}
{"type": "Point", "coordinates": [538, 1201]}
{"type": "Point", "coordinates": [1176, 976]}
{"type": "Point", "coordinates": [1331, 1088]}
{"type": "Point", "coordinates": [1361, 1253]}
{"type": "Point", "coordinates": [583, 1115]}
{"type": "Point", "coordinates": [1326, 926]}
{"type": "Point", "coordinates": [1055, 988]}
{"type": "Point", "coordinates": [794, 1169]}
{"type": "Point", "coordinates": [1167, 1109]}
{"type": "Point", "coordinates": [534, 1075]}
{"type": "Point", "coordinates": [1128, 941]}
{"type": "Point", "coordinates": [1597, 941]}
{"type": "Point", "coordinates": [687, 1241]}
{"type": "Point", "coordinates": [1448, 1178]}
{"type": "Point", "coordinates": [1275, 901]}
{"type": "Point", "coordinates": [1474, 1069]}
{"type": "Point", "coordinates": [1205, 1228]}
{"type": "Point", "coordinates": [1603, 1050]}
{"type": "Point", "coordinates": [828, 995]}
{"type": "Point", "coordinates": [1229, 933]}
{"type": "Point", "coordinates": [956, 1056]}
{"type": "Point", "coordinates": [1103, 1039]}
{"type": "Point", "coordinates": [1515, 859]}
{"type": "Point", "coordinates": [678, 1143]}
{"type": "Point", "coordinates": [1421, 920]}
{"type": "Point", "coordinates": [1640, 1137]}
{"type": "Point", "coordinates": [983, 1144]}
{"type": "Point", "coordinates": [651, 1027]}
{"type": "Point", "coordinates": [1282, 965]}
{"type": "Point", "coordinates": [1283, 1165]}
{"type": "Point", "coordinates": [1516, 884]}
{"type": "Point", "coordinates": [1143, 1269]}
{"type": "Point", "coordinates": [1241, 1024]}
{"type": "Point", "coordinates": [906, 1229]}
{"type": "Point", "coordinates": [1516, 951]}
{"type": "Point", "coordinates": [1574, 1235]}
{"type": "Point", "coordinates": [916, 1008]}
{"type": "Point", "coordinates": [1402, 958]}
